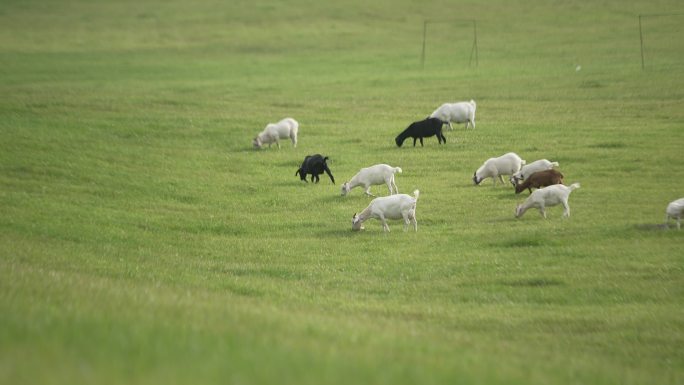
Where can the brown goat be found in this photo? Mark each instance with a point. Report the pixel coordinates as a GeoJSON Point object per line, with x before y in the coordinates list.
{"type": "Point", "coordinates": [540, 179]}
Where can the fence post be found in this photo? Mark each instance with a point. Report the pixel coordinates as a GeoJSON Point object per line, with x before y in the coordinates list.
{"type": "Point", "coordinates": [473, 49]}
{"type": "Point", "coordinates": [422, 57]}
{"type": "Point", "coordinates": [641, 38]}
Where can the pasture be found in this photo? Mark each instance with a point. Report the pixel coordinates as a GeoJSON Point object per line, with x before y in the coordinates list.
{"type": "Point", "coordinates": [144, 241]}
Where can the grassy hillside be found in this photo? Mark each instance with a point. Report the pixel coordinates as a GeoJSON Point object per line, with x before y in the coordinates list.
{"type": "Point", "coordinates": [143, 240]}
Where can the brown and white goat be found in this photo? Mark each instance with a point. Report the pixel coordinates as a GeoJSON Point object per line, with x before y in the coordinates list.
{"type": "Point", "coordinates": [540, 179]}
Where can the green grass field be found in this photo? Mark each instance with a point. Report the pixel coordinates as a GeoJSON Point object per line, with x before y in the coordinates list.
{"type": "Point", "coordinates": [144, 241]}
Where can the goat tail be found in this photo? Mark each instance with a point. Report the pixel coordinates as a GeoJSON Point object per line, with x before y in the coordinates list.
{"type": "Point", "coordinates": [574, 186]}
{"type": "Point", "coordinates": [397, 169]}
{"type": "Point", "coordinates": [416, 194]}
{"type": "Point", "coordinates": [555, 164]}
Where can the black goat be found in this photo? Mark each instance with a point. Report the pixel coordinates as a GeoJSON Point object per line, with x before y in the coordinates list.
{"type": "Point", "coordinates": [314, 165]}
{"type": "Point", "coordinates": [422, 129]}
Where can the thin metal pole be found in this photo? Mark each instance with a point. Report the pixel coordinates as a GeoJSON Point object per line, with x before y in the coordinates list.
{"type": "Point", "coordinates": [641, 38]}
{"type": "Point", "coordinates": [662, 14]}
{"type": "Point", "coordinates": [477, 60]}
{"type": "Point", "coordinates": [472, 49]}
{"type": "Point", "coordinates": [422, 58]}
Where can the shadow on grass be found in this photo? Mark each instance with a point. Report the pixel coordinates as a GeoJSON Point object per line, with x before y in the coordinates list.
{"type": "Point", "coordinates": [336, 198]}
{"type": "Point", "coordinates": [525, 241]}
{"type": "Point", "coordinates": [608, 145]}
{"type": "Point", "coordinates": [501, 192]}
{"type": "Point", "coordinates": [244, 149]}
{"type": "Point", "coordinates": [342, 232]}
{"type": "Point", "coordinates": [287, 105]}
{"type": "Point", "coordinates": [294, 181]}
{"type": "Point", "coordinates": [505, 219]}
{"type": "Point", "coordinates": [513, 196]}
{"type": "Point", "coordinates": [243, 290]}
{"type": "Point", "coordinates": [290, 164]}
{"type": "Point", "coordinates": [277, 272]}
{"type": "Point", "coordinates": [534, 282]}
{"type": "Point", "coordinates": [652, 227]}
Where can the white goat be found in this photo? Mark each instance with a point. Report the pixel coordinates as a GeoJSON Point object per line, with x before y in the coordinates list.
{"type": "Point", "coordinates": [286, 128]}
{"type": "Point", "coordinates": [507, 164]}
{"type": "Point", "coordinates": [547, 197]}
{"type": "Point", "coordinates": [461, 112]}
{"type": "Point", "coordinates": [398, 206]}
{"type": "Point", "coordinates": [675, 210]}
{"type": "Point", "coordinates": [373, 175]}
{"type": "Point", "coordinates": [529, 169]}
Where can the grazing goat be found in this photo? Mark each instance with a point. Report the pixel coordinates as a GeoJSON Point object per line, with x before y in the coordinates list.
{"type": "Point", "coordinates": [422, 129]}
{"type": "Point", "coordinates": [398, 206]}
{"type": "Point", "coordinates": [547, 197]}
{"type": "Point", "coordinates": [531, 168]}
{"type": "Point", "coordinates": [675, 210]}
{"type": "Point", "coordinates": [461, 112]}
{"type": "Point", "coordinates": [507, 164]}
{"type": "Point", "coordinates": [540, 179]}
{"type": "Point", "coordinates": [286, 128]}
{"type": "Point", "coordinates": [314, 165]}
{"type": "Point", "coordinates": [373, 175]}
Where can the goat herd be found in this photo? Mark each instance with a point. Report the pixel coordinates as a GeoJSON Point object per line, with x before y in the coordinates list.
{"type": "Point", "coordinates": [540, 174]}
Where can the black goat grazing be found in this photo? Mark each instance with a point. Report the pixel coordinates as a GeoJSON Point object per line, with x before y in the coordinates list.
{"type": "Point", "coordinates": [422, 129]}
{"type": "Point", "coordinates": [314, 165]}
